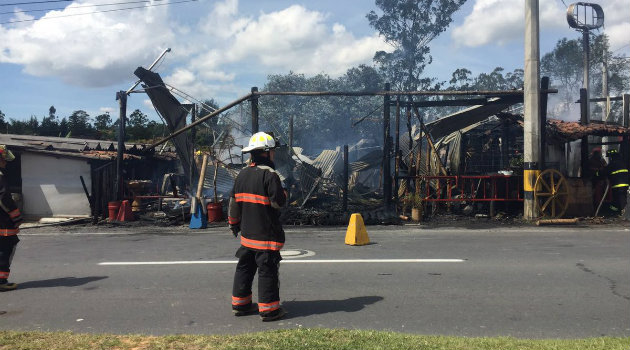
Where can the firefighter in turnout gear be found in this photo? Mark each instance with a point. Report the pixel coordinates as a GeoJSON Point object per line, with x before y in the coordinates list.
{"type": "Point", "coordinates": [10, 219]}
{"type": "Point", "coordinates": [254, 211]}
{"type": "Point", "coordinates": [619, 177]}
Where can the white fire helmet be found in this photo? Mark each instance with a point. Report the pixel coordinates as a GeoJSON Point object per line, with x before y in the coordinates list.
{"type": "Point", "coordinates": [260, 141]}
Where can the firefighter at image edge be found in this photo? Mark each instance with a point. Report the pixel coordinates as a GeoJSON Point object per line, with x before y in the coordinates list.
{"type": "Point", "coordinates": [10, 220]}
{"type": "Point", "coordinates": [619, 177]}
{"type": "Point", "coordinates": [254, 206]}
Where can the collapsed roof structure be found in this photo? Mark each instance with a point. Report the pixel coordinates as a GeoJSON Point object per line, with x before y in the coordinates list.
{"type": "Point", "coordinates": [481, 140]}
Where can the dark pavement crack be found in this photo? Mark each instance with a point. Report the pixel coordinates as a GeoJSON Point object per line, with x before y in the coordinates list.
{"type": "Point", "coordinates": [612, 284]}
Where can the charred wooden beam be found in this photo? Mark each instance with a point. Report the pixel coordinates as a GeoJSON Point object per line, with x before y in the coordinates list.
{"type": "Point", "coordinates": [487, 93]}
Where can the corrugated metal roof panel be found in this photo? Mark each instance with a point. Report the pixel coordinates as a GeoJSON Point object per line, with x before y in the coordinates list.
{"type": "Point", "coordinates": [225, 180]}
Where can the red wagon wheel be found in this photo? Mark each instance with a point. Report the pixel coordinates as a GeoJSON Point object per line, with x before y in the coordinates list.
{"type": "Point", "coordinates": [551, 194]}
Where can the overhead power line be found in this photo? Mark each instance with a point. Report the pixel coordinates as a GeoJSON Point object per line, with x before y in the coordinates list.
{"type": "Point", "coordinates": [94, 12]}
{"type": "Point", "coordinates": [623, 47]}
{"type": "Point", "coordinates": [75, 7]}
{"type": "Point", "coordinates": [35, 2]}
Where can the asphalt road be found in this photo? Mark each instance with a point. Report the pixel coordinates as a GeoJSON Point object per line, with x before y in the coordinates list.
{"type": "Point", "coordinates": [525, 282]}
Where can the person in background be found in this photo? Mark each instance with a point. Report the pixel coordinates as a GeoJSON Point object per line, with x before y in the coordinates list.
{"type": "Point", "coordinates": [619, 178]}
{"type": "Point", "coordinates": [10, 220]}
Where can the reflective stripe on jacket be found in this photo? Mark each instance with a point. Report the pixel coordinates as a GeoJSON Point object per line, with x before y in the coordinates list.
{"type": "Point", "coordinates": [254, 202]}
{"type": "Point", "coordinates": [618, 173]}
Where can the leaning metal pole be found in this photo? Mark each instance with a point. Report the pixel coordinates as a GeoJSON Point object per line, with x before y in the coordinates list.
{"type": "Point", "coordinates": [200, 120]}
{"type": "Point", "coordinates": [531, 101]}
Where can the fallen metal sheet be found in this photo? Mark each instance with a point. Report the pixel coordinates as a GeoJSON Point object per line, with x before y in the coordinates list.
{"type": "Point", "coordinates": [456, 121]}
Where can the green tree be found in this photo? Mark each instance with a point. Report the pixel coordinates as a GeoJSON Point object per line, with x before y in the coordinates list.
{"type": "Point", "coordinates": [104, 127]}
{"type": "Point", "coordinates": [463, 79]}
{"type": "Point", "coordinates": [64, 128]}
{"type": "Point", "coordinates": [103, 121]}
{"type": "Point", "coordinates": [409, 26]}
{"type": "Point", "coordinates": [324, 122]}
{"type": "Point", "coordinates": [3, 123]}
{"type": "Point", "coordinates": [79, 124]}
{"type": "Point", "coordinates": [564, 65]}
{"type": "Point", "coordinates": [205, 136]}
{"type": "Point", "coordinates": [136, 128]}
{"type": "Point", "coordinates": [49, 125]}
{"type": "Point", "coordinates": [28, 127]}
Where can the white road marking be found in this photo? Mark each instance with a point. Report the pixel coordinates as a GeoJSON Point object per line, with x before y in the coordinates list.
{"type": "Point", "coordinates": [330, 261]}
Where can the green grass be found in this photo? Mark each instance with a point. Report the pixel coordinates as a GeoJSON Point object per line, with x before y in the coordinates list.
{"type": "Point", "coordinates": [294, 339]}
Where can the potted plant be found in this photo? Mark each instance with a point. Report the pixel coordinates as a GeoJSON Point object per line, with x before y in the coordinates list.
{"type": "Point", "coordinates": [407, 202]}
{"type": "Point", "coordinates": [416, 207]}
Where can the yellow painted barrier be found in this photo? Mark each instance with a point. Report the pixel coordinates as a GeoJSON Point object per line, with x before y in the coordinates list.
{"type": "Point", "coordinates": [529, 179]}
{"type": "Point", "coordinates": [356, 233]}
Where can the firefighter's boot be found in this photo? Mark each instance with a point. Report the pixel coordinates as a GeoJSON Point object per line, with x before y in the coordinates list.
{"type": "Point", "coordinates": [250, 309]}
{"type": "Point", "coordinates": [5, 286]}
{"type": "Point", "coordinates": [273, 315]}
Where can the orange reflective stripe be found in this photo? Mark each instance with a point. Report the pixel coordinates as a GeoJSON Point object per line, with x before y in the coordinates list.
{"type": "Point", "coordinates": [14, 213]}
{"type": "Point", "coordinates": [252, 198]}
{"type": "Point", "coordinates": [9, 232]}
{"type": "Point", "coordinates": [262, 245]}
{"type": "Point", "coordinates": [241, 301]}
{"type": "Point", "coordinates": [266, 307]}
{"type": "Point", "coordinates": [233, 221]}
{"type": "Point", "coordinates": [4, 274]}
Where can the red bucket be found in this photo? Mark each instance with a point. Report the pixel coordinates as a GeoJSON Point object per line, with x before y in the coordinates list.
{"type": "Point", "coordinates": [113, 210]}
{"type": "Point", "coordinates": [215, 212]}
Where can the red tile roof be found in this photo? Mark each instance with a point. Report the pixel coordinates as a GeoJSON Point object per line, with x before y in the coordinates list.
{"type": "Point", "coordinates": [575, 130]}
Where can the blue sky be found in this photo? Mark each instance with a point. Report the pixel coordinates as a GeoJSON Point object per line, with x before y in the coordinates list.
{"type": "Point", "coordinates": [220, 48]}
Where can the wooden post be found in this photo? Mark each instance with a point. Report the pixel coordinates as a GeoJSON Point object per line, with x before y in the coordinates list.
{"type": "Point", "coordinates": [584, 143]}
{"type": "Point", "coordinates": [397, 150]}
{"type": "Point", "coordinates": [193, 135]}
{"type": "Point", "coordinates": [198, 198]}
{"type": "Point", "coordinates": [121, 96]}
{"type": "Point", "coordinates": [254, 102]}
{"type": "Point", "coordinates": [345, 178]}
{"type": "Point", "coordinates": [387, 180]}
{"type": "Point", "coordinates": [410, 138]}
{"type": "Point", "coordinates": [505, 135]}
{"type": "Point", "coordinates": [290, 135]}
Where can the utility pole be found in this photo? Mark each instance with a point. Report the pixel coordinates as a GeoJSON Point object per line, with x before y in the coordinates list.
{"type": "Point", "coordinates": [531, 100]}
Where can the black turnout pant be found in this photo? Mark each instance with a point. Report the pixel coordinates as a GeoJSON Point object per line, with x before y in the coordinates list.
{"type": "Point", "coordinates": [619, 198]}
{"type": "Point", "coordinates": [7, 248]}
{"type": "Point", "coordinates": [267, 263]}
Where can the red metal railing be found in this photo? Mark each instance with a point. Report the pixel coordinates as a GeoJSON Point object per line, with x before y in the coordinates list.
{"type": "Point", "coordinates": [482, 188]}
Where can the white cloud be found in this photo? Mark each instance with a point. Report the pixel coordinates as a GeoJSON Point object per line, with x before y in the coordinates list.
{"type": "Point", "coordinates": [109, 110]}
{"type": "Point", "coordinates": [292, 39]}
{"type": "Point", "coordinates": [147, 103]}
{"type": "Point", "coordinates": [300, 40]}
{"type": "Point", "coordinates": [616, 22]}
{"type": "Point", "coordinates": [102, 49]}
{"type": "Point", "coordinates": [502, 21]}
{"type": "Point", "coordinates": [96, 49]}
